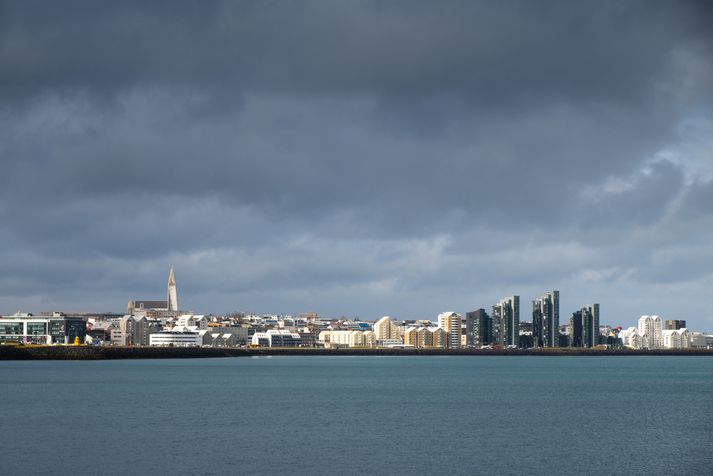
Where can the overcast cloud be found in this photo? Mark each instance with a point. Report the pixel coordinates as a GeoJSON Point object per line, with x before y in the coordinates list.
{"type": "Point", "coordinates": [358, 158]}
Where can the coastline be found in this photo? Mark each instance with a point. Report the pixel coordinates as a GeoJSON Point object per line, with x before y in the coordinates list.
{"type": "Point", "coordinates": [8, 352]}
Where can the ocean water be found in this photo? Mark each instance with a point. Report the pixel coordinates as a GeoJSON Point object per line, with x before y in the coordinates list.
{"type": "Point", "coordinates": [359, 415]}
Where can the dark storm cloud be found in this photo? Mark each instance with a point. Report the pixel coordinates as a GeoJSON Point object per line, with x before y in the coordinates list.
{"type": "Point", "coordinates": [490, 52]}
{"type": "Point", "coordinates": [357, 157]}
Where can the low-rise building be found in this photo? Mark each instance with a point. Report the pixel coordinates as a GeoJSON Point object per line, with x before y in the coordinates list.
{"type": "Point", "coordinates": [631, 338]}
{"type": "Point", "coordinates": [29, 329]}
{"type": "Point", "coordinates": [348, 339]}
{"type": "Point", "coordinates": [134, 330]}
{"type": "Point", "coordinates": [240, 334]}
{"type": "Point", "coordinates": [425, 337]}
{"type": "Point", "coordinates": [675, 339]}
{"type": "Point", "coordinates": [699, 340]}
{"type": "Point", "coordinates": [176, 339]}
{"type": "Point", "coordinates": [276, 338]}
{"type": "Point", "coordinates": [191, 320]}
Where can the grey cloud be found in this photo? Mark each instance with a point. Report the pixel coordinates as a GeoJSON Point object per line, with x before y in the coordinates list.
{"type": "Point", "coordinates": [489, 51]}
{"type": "Point", "coordinates": [642, 200]}
{"type": "Point", "coordinates": [354, 158]}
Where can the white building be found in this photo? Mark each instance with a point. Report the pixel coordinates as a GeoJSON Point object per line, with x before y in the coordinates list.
{"type": "Point", "coordinates": [676, 339]}
{"type": "Point", "coordinates": [335, 339]}
{"type": "Point", "coordinates": [650, 328]}
{"type": "Point", "coordinates": [172, 295]}
{"type": "Point", "coordinates": [276, 338]}
{"type": "Point", "coordinates": [191, 320]}
{"type": "Point", "coordinates": [29, 329]}
{"type": "Point", "coordinates": [175, 339]}
{"type": "Point", "coordinates": [631, 338]}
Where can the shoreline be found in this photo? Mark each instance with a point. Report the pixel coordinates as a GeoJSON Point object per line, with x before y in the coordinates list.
{"type": "Point", "coordinates": [11, 352]}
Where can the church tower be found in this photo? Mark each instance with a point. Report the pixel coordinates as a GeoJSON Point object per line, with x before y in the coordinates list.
{"type": "Point", "coordinates": [172, 295]}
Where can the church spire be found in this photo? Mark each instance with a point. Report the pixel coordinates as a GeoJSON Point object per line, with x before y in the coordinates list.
{"type": "Point", "coordinates": [172, 300]}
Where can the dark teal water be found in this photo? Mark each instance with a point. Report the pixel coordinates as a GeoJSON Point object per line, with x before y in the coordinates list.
{"type": "Point", "coordinates": [359, 415]}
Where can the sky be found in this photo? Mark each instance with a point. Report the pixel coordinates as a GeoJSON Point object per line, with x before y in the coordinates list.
{"type": "Point", "coordinates": [358, 158]}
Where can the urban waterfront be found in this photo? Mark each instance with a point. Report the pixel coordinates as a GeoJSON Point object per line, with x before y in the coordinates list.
{"type": "Point", "coordinates": [356, 415]}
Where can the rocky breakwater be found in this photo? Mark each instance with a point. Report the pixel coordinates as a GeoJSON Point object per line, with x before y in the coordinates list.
{"type": "Point", "coordinates": [30, 352]}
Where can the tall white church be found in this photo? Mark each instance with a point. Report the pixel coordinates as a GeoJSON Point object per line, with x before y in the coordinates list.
{"type": "Point", "coordinates": [172, 301]}
{"type": "Point", "coordinates": [170, 304]}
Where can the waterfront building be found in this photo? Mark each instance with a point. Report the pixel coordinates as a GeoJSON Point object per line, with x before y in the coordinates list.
{"type": "Point", "coordinates": [546, 320]}
{"type": "Point", "coordinates": [450, 322]}
{"type": "Point", "coordinates": [583, 329]}
{"type": "Point", "coordinates": [175, 339]}
{"type": "Point", "coordinates": [276, 338]}
{"type": "Point", "coordinates": [436, 337]}
{"type": "Point", "coordinates": [506, 321]}
{"type": "Point", "coordinates": [591, 325]}
{"type": "Point", "coordinates": [240, 334]}
{"type": "Point", "coordinates": [675, 338]}
{"type": "Point", "coordinates": [411, 337]}
{"type": "Point", "coordinates": [631, 338]}
{"type": "Point", "coordinates": [309, 339]}
{"type": "Point", "coordinates": [576, 329]}
{"type": "Point", "coordinates": [422, 337]}
{"type": "Point", "coordinates": [222, 340]}
{"type": "Point", "coordinates": [55, 329]}
{"type": "Point", "coordinates": [674, 324]}
{"type": "Point", "coordinates": [368, 338]}
{"type": "Point", "coordinates": [650, 331]}
{"type": "Point", "coordinates": [131, 330]}
{"type": "Point", "coordinates": [334, 339]}
{"type": "Point", "coordinates": [698, 340]}
{"type": "Point", "coordinates": [100, 331]}
{"type": "Point", "coordinates": [478, 328]}
{"type": "Point", "coordinates": [385, 328]}
{"type": "Point", "coordinates": [346, 338]}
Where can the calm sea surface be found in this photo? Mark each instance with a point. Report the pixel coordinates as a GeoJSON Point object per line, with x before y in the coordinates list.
{"type": "Point", "coordinates": [359, 415]}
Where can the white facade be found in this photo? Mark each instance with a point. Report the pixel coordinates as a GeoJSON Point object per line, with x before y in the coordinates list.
{"type": "Point", "coordinates": [631, 338]}
{"type": "Point", "coordinates": [175, 339]}
{"type": "Point", "coordinates": [190, 320]}
{"type": "Point", "coordinates": [650, 328]}
{"type": "Point", "coordinates": [348, 338]}
{"type": "Point", "coordinates": [276, 338]}
{"type": "Point", "coordinates": [676, 339]}
{"type": "Point", "coordinates": [172, 293]}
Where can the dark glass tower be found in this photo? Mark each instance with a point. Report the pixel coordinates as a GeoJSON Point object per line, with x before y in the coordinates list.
{"type": "Point", "coordinates": [478, 328]}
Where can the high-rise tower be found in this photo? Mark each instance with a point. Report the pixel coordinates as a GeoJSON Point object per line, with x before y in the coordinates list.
{"type": "Point", "coordinates": [591, 330]}
{"type": "Point", "coordinates": [546, 320]}
{"type": "Point", "coordinates": [478, 328]}
{"type": "Point", "coordinates": [506, 321]}
{"type": "Point", "coordinates": [172, 294]}
{"type": "Point", "coordinates": [650, 330]}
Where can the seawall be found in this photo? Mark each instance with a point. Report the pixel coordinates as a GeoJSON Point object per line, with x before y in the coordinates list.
{"type": "Point", "coordinates": [24, 352]}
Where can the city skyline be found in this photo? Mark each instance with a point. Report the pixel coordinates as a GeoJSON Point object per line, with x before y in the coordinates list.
{"type": "Point", "coordinates": [506, 320]}
{"type": "Point", "coordinates": [360, 158]}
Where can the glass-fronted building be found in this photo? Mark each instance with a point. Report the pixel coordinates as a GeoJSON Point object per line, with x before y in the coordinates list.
{"type": "Point", "coordinates": [29, 329]}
